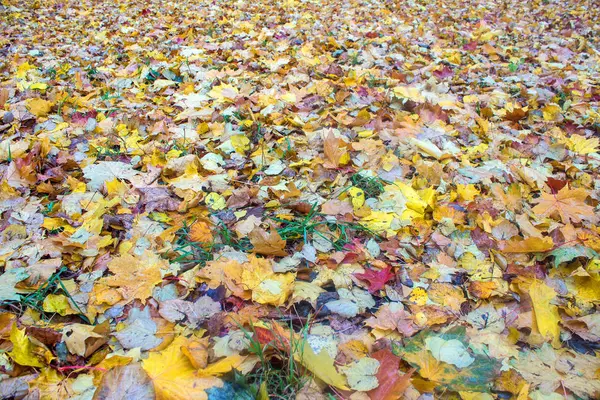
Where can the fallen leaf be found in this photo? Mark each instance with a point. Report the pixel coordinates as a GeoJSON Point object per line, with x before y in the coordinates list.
{"type": "Point", "coordinates": [197, 312]}
{"type": "Point", "coordinates": [335, 151]}
{"type": "Point", "coordinates": [546, 314]}
{"type": "Point", "coordinates": [391, 383]}
{"type": "Point", "coordinates": [173, 375]}
{"type": "Point", "coordinates": [128, 381]}
{"type": "Point", "coordinates": [200, 232]}
{"type": "Point", "coordinates": [528, 245]}
{"type": "Point", "coordinates": [139, 331]}
{"type": "Point", "coordinates": [133, 277]}
{"type": "Point", "coordinates": [8, 280]}
{"type": "Point", "coordinates": [39, 107]}
{"type": "Point", "coordinates": [449, 351]}
{"type": "Point", "coordinates": [361, 374]}
{"type": "Point", "coordinates": [23, 352]}
{"type": "Point", "coordinates": [321, 365]}
{"type": "Point", "coordinates": [568, 203]}
{"type": "Point", "coordinates": [76, 335]}
{"type": "Point", "coordinates": [269, 244]}
{"type": "Point", "coordinates": [376, 278]}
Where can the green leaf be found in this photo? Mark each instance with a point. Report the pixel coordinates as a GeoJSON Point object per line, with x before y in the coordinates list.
{"type": "Point", "coordinates": [568, 254]}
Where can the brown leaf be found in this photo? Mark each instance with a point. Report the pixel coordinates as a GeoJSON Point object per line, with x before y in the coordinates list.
{"type": "Point", "coordinates": [47, 336]}
{"type": "Point", "coordinates": [334, 149]}
{"type": "Point", "coordinates": [239, 198]}
{"type": "Point", "coordinates": [393, 317]}
{"type": "Point", "coordinates": [125, 382]}
{"type": "Point", "coordinates": [336, 207]}
{"type": "Point", "coordinates": [267, 244]}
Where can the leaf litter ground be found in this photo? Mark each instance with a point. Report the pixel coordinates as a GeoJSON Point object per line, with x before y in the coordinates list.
{"type": "Point", "coordinates": [299, 199]}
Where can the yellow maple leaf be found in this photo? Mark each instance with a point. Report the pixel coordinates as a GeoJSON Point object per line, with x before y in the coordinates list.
{"type": "Point", "coordinates": [551, 112]}
{"type": "Point", "coordinates": [227, 273]}
{"type": "Point", "coordinates": [528, 245]}
{"type": "Point", "coordinates": [52, 385]}
{"type": "Point", "coordinates": [134, 277]}
{"type": "Point", "coordinates": [579, 144]}
{"type": "Point", "coordinates": [173, 375]}
{"type": "Point", "coordinates": [274, 289]}
{"type": "Point", "coordinates": [39, 107]}
{"type": "Point", "coordinates": [22, 352]}
{"type": "Point", "coordinates": [267, 287]}
{"type": "Point", "coordinates": [58, 303]}
{"type": "Point", "coordinates": [243, 364]}
{"type": "Point", "coordinates": [467, 192]}
{"type": "Point", "coordinates": [409, 92]}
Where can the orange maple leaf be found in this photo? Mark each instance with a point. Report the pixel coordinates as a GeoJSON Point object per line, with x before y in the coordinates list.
{"type": "Point", "coordinates": [568, 203]}
{"type": "Point", "coordinates": [200, 232]}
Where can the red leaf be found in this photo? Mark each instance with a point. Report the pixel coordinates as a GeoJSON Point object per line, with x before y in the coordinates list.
{"type": "Point", "coordinates": [470, 46]}
{"type": "Point", "coordinates": [391, 384]}
{"type": "Point", "coordinates": [443, 73]}
{"type": "Point", "coordinates": [556, 184]}
{"type": "Point", "coordinates": [263, 336]}
{"type": "Point", "coordinates": [376, 279]}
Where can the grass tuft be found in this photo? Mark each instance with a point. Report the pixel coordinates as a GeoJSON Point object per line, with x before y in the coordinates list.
{"type": "Point", "coordinates": [35, 300]}
{"type": "Point", "coordinates": [372, 186]}
{"type": "Point", "coordinates": [278, 374]}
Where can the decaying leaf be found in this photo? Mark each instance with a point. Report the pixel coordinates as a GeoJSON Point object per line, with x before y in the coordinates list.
{"type": "Point", "coordinates": [130, 381]}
